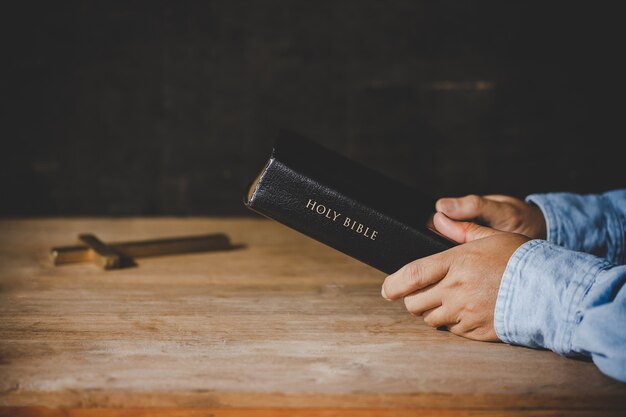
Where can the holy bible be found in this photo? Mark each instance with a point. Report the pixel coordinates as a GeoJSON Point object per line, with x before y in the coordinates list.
{"type": "Point", "coordinates": [344, 204]}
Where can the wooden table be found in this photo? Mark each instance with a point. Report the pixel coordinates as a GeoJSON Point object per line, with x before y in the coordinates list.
{"type": "Point", "coordinates": [283, 324]}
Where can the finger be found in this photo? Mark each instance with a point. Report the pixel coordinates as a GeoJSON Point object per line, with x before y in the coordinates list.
{"type": "Point", "coordinates": [416, 275]}
{"type": "Point", "coordinates": [475, 332]}
{"type": "Point", "coordinates": [460, 328]}
{"type": "Point", "coordinates": [461, 232]}
{"type": "Point", "coordinates": [469, 207]}
{"type": "Point", "coordinates": [438, 317]}
{"type": "Point", "coordinates": [501, 198]}
{"type": "Point", "coordinates": [422, 300]}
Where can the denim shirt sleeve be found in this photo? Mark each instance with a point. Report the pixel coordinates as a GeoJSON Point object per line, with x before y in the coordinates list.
{"type": "Point", "coordinates": [592, 223]}
{"type": "Point", "coordinates": [570, 302]}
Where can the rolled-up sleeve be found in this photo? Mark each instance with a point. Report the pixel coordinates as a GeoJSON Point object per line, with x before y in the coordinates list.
{"type": "Point", "coordinates": [570, 302]}
{"type": "Point", "coordinates": [594, 223]}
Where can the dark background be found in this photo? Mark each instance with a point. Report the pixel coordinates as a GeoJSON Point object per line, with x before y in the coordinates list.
{"type": "Point", "coordinates": [168, 107]}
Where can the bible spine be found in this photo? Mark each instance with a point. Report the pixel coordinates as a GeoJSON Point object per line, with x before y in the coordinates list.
{"type": "Point", "coordinates": [336, 219]}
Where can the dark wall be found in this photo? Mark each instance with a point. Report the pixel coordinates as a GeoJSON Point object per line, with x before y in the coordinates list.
{"type": "Point", "coordinates": [170, 107]}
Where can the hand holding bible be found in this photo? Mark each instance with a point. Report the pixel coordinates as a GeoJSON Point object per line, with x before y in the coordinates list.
{"type": "Point", "coordinates": [457, 288]}
{"type": "Point", "coordinates": [500, 212]}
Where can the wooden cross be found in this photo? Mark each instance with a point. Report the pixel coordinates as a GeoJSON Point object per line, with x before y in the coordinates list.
{"type": "Point", "coordinates": [122, 254]}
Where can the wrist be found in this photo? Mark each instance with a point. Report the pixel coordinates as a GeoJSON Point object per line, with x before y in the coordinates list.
{"type": "Point", "coordinates": [539, 229]}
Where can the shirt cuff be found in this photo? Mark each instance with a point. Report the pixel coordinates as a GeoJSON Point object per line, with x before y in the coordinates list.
{"type": "Point", "coordinates": [552, 227]}
{"type": "Point", "coordinates": [540, 297]}
{"type": "Point", "coordinates": [587, 223]}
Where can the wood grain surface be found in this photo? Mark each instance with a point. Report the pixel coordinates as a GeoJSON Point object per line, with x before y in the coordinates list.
{"type": "Point", "coordinates": [283, 323]}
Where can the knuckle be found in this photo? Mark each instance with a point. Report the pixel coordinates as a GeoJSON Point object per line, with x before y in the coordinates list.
{"type": "Point", "coordinates": [474, 201]}
{"type": "Point", "coordinates": [461, 328]}
{"type": "Point", "coordinates": [413, 273]}
{"type": "Point", "coordinates": [470, 307]}
{"type": "Point", "coordinates": [454, 284]}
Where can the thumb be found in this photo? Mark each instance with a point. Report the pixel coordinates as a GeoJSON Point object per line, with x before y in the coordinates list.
{"type": "Point", "coordinates": [461, 232]}
{"type": "Point", "coordinates": [469, 207]}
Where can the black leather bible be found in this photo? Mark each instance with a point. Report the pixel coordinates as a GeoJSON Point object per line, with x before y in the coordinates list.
{"type": "Point", "coordinates": [344, 204]}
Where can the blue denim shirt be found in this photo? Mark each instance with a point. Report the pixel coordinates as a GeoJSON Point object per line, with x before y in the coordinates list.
{"type": "Point", "coordinates": [567, 293]}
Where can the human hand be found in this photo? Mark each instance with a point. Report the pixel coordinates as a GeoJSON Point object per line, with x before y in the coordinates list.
{"type": "Point", "coordinates": [501, 212]}
{"type": "Point", "coordinates": [457, 288]}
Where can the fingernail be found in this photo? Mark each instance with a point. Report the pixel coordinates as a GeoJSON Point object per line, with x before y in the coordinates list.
{"type": "Point", "coordinates": [448, 204]}
{"type": "Point", "coordinates": [382, 292]}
